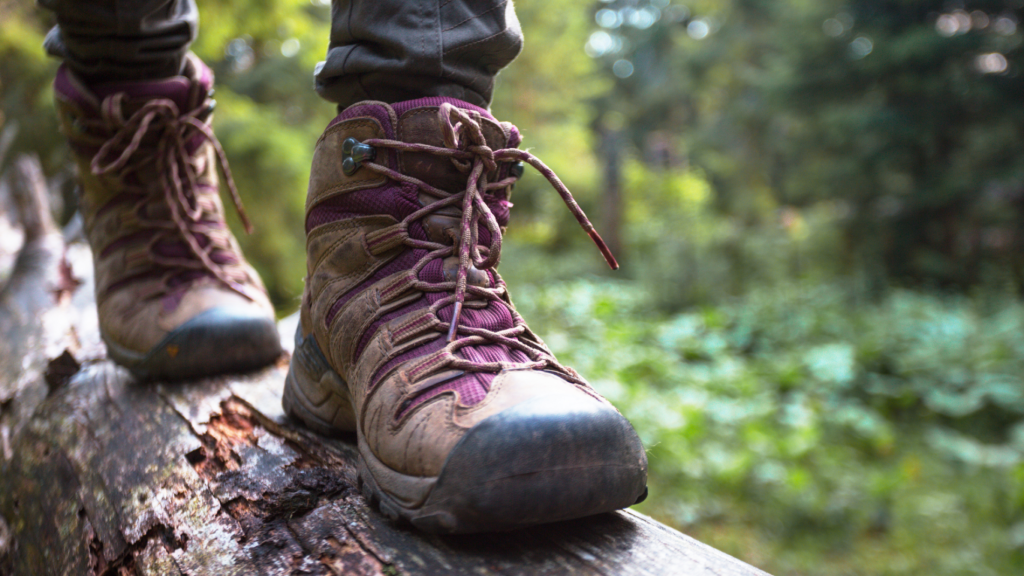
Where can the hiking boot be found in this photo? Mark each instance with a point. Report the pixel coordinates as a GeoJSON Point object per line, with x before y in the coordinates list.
{"type": "Point", "coordinates": [176, 299]}
{"type": "Point", "coordinates": [465, 421]}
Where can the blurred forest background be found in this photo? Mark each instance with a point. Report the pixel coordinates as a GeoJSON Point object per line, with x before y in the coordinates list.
{"type": "Point", "coordinates": [818, 330]}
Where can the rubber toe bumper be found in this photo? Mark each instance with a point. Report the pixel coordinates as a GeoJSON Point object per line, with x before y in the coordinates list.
{"type": "Point", "coordinates": [218, 341]}
{"type": "Point", "coordinates": [545, 460]}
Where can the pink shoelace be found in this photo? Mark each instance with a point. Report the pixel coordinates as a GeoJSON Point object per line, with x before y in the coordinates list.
{"type": "Point", "coordinates": [466, 147]}
{"type": "Point", "coordinates": [178, 132]}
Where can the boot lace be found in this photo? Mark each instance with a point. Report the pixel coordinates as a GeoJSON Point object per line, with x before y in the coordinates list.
{"type": "Point", "coordinates": [466, 147]}
{"type": "Point", "coordinates": [179, 170]}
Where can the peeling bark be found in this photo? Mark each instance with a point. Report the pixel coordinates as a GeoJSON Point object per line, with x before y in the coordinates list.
{"type": "Point", "coordinates": [104, 476]}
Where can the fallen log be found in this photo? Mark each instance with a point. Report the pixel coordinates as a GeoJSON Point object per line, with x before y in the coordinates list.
{"type": "Point", "coordinates": [105, 476]}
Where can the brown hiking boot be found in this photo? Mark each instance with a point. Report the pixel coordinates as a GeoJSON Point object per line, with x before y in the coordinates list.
{"type": "Point", "coordinates": [465, 420]}
{"type": "Point", "coordinates": [176, 299]}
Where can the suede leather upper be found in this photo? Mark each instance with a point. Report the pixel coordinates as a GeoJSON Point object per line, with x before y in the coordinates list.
{"type": "Point", "coordinates": [148, 282]}
{"type": "Point", "coordinates": [361, 307]}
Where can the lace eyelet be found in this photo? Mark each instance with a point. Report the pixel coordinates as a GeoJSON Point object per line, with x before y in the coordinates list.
{"type": "Point", "coordinates": [354, 153]}
{"type": "Point", "coordinates": [516, 170]}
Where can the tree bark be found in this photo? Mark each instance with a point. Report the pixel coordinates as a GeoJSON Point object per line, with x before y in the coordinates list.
{"type": "Point", "coordinates": [102, 475]}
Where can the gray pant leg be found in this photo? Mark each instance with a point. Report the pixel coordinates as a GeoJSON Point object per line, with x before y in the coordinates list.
{"type": "Point", "coordinates": [394, 50]}
{"type": "Point", "coordinates": [390, 50]}
{"type": "Point", "coordinates": [111, 40]}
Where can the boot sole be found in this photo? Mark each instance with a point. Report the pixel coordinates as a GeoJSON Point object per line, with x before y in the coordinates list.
{"type": "Point", "coordinates": [314, 393]}
{"type": "Point", "coordinates": [536, 463]}
{"type": "Point", "coordinates": [215, 342]}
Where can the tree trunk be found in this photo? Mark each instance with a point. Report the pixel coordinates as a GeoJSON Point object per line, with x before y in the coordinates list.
{"type": "Point", "coordinates": [105, 476]}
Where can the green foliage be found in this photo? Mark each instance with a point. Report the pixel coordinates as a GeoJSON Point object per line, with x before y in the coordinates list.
{"type": "Point", "coordinates": [686, 252]}
{"type": "Point", "coordinates": [799, 422]}
{"type": "Point", "coordinates": [905, 113]}
{"type": "Point", "coordinates": [25, 101]}
{"type": "Point", "coordinates": [258, 136]}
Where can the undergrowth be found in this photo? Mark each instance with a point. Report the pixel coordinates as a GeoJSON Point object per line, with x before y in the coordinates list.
{"type": "Point", "coordinates": [810, 431]}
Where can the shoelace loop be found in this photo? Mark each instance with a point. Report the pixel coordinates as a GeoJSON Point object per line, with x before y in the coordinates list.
{"type": "Point", "coordinates": [466, 147]}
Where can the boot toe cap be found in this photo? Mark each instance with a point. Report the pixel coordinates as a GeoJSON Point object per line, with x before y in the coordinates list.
{"type": "Point", "coordinates": [550, 458]}
{"type": "Point", "coordinates": [220, 340]}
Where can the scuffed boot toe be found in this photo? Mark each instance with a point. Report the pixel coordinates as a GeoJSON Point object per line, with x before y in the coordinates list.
{"type": "Point", "coordinates": [548, 459]}
{"type": "Point", "coordinates": [221, 340]}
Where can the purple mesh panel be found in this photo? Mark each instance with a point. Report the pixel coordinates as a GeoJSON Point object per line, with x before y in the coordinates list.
{"type": "Point", "coordinates": [172, 249]}
{"type": "Point", "coordinates": [433, 271]}
{"type": "Point", "coordinates": [396, 201]}
{"type": "Point", "coordinates": [496, 316]}
{"type": "Point", "coordinates": [403, 107]}
{"type": "Point", "coordinates": [177, 248]}
{"type": "Point", "coordinates": [472, 387]}
{"type": "Point", "coordinates": [175, 89]}
{"type": "Point", "coordinates": [488, 353]}
{"type": "Point", "coordinates": [224, 257]}
{"type": "Point", "coordinates": [326, 213]}
{"type": "Point", "coordinates": [470, 393]}
{"type": "Point", "coordinates": [493, 353]}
